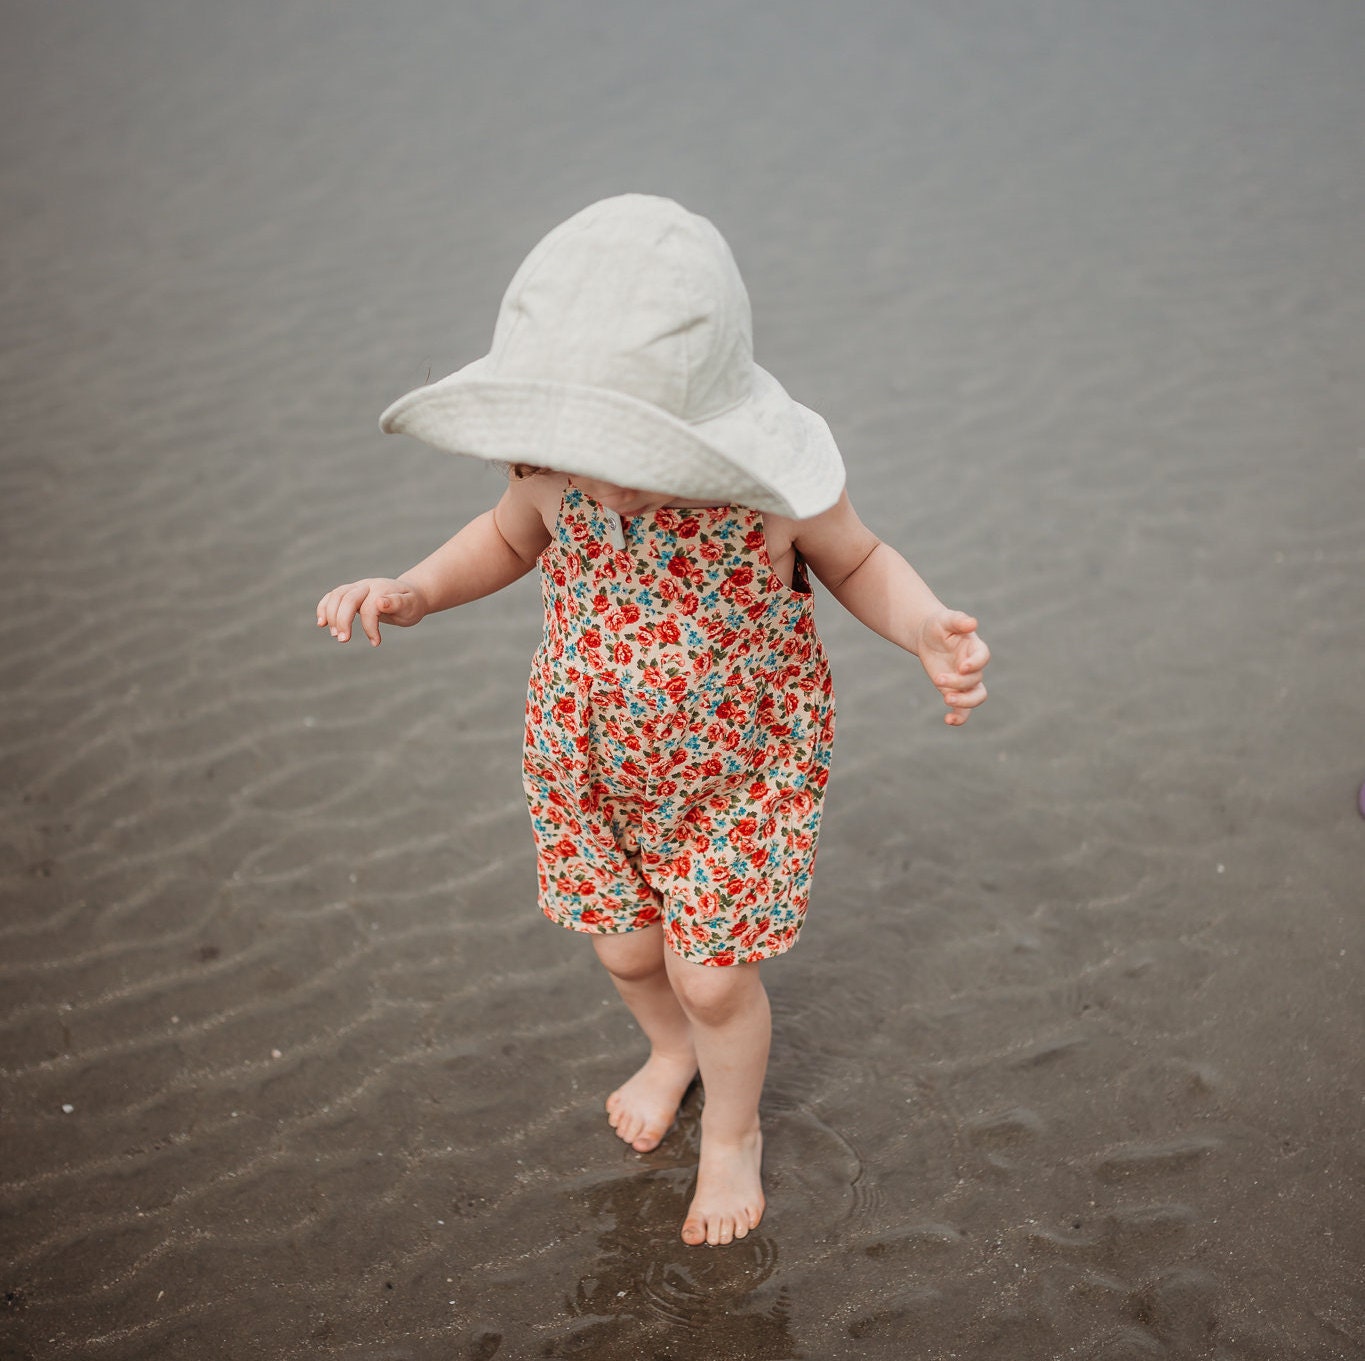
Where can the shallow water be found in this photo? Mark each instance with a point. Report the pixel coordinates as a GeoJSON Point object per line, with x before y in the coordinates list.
{"type": "Point", "coordinates": [1067, 1060]}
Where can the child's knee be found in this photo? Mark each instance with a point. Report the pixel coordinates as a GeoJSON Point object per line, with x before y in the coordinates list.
{"type": "Point", "coordinates": [710, 994]}
{"type": "Point", "coordinates": [632, 956]}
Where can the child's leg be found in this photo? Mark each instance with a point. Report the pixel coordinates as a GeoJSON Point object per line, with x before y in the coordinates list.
{"type": "Point", "coordinates": [642, 1109]}
{"type": "Point", "coordinates": [731, 1029]}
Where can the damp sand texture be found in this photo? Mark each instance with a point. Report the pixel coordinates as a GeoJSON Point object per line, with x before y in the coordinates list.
{"type": "Point", "coordinates": [1067, 1061]}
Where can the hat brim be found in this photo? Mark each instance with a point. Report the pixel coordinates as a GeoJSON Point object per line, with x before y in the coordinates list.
{"type": "Point", "coordinates": [769, 452]}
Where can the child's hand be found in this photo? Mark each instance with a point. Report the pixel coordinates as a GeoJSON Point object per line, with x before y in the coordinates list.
{"type": "Point", "coordinates": [374, 601]}
{"type": "Point", "coordinates": [954, 657]}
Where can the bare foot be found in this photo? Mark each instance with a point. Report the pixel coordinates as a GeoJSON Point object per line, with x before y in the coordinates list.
{"type": "Point", "coordinates": [642, 1109]}
{"type": "Point", "coordinates": [729, 1200]}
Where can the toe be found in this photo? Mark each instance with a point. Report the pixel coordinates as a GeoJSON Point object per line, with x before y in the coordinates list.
{"type": "Point", "coordinates": [694, 1232]}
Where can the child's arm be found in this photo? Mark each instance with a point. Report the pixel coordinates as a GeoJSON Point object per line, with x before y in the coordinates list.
{"type": "Point", "coordinates": [489, 553]}
{"type": "Point", "coordinates": [877, 586]}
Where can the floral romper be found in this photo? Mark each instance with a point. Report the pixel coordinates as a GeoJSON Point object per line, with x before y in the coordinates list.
{"type": "Point", "coordinates": [679, 727]}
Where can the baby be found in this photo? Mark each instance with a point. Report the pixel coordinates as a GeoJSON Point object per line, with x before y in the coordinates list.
{"type": "Point", "coordinates": [680, 716]}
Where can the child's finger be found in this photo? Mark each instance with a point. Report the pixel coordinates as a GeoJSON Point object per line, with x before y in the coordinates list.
{"type": "Point", "coordinates": [956, 681]}
{"type": "Point", "coordinates": [393, 607]}
{"type": "Point", "coordinates": [959, 701]}
{"type": "Point", "coordinates": [347, 608]}
{"type": "Point", "coordinates": [328, 606]}
{"type": "Point", "coordinates": [976, 657]}
{"type": "Point", "coordinates": [369, 619]}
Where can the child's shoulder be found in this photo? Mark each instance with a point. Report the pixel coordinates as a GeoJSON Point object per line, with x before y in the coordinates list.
{"type": "Point", "coordinates": [539, 491]}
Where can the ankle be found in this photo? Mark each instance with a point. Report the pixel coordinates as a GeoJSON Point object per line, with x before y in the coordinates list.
{"type": "Point", "coordinates": [729, 1134]}
{"type": "Point", "coordinates": [674, 1056]}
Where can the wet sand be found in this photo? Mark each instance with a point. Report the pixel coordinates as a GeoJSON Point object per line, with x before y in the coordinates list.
{"type": "Point", "coordinates": [1068, 1059]}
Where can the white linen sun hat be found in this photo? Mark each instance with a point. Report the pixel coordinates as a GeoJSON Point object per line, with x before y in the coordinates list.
{"type": "Point", "coordinates": [623, 351]}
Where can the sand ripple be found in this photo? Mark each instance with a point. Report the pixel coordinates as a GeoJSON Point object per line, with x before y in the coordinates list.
{"type": "Point", "coordinates": [1066, 1061]}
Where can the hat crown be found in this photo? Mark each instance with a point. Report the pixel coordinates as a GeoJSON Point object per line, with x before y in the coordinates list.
{"type": "Point", "coordinates": [636, 295]}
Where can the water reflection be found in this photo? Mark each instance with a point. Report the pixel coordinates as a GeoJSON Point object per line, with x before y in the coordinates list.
{"type": "Point", "coordinates": [649, 1295]}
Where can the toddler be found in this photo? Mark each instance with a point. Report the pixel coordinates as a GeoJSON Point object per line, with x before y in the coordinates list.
{"type": "Point", "coordinates": [680, 715]}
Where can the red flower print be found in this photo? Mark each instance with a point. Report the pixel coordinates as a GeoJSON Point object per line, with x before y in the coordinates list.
{"type": "Point", "coordinates": [678, 727]}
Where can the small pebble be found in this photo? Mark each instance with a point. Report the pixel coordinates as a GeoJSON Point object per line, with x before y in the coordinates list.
{"type": "Point", "coordinates": [66, 1110]}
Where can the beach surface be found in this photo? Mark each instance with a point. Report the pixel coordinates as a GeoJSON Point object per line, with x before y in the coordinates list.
{"type": "Point", "coordinates": [1068, 1059]}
